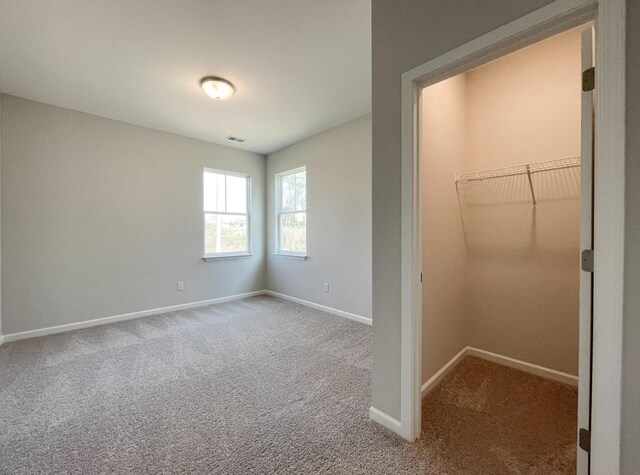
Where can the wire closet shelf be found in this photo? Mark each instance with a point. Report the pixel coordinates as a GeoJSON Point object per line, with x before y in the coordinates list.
{"type": "Point", "coordinates": [526, 169]}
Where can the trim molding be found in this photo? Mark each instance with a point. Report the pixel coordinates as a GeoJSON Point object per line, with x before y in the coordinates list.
{"type": "Point", "coordinates": [530, 368]}
{"type": "Point", "coordinates": [317, 306]}
{"type": "Point", "coordinates": [119, 318]}
{"type": "Point", "coordinates": [442, 372]}
{"type": "Point", "coordinates": [227, 257]}
{"type": "Point", "coordinates": [384, 419]}
{"type": "Point", "coordinates": [609, 232]}
{"type": "Point", "coordinates": [172, 308]}
{"type": "Point", "coordinates": [295, 257]}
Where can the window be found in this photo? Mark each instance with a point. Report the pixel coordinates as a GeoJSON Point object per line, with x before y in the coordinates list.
{"type": "Point", "coordinates": [291, 208]}
{"type": "Point", "coordinates": [226, 213]}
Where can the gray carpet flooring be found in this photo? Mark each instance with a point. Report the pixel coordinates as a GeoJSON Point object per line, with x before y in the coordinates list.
{"type": "Point", "coordinates": [256, 386]}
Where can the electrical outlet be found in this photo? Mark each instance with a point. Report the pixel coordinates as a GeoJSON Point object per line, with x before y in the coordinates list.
{"type": "Point", "coordinates": [180, 286]}
{"type": "Point", "coordinates": [326, 286]}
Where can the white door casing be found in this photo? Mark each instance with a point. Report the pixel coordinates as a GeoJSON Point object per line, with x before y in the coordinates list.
{"type": "Point", "coordinates": [586, 242]}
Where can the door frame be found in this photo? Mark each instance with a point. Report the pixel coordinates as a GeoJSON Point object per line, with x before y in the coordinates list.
{"type": "Point", "coordinates": [609, 24]}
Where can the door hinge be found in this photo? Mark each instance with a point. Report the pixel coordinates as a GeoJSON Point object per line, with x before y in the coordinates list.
{"type": "Point", "coordinates": [584, 440]}
{"type": "Point", "coordinates": [589, 79]}
{"type": "Point", "coordinates": [587, 260]}
{"type": "Point", "coordinates": [420, 276]}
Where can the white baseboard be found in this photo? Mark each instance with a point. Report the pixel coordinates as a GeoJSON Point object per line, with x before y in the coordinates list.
{"type": "Point", "coordinates": [385, 420]}
{"type": "Point", "coordinates": [524, 366]}
{"type": "Point", "coordinates": [155, 311]}
{"type": "Point", "coordinates": [119, 318]}
{"type": "Point", "coordinates": [442, 372]}
{"type": "Point", "coordinates": [317, 306]}
{"type": "Point", "coordinates": [531, 368]}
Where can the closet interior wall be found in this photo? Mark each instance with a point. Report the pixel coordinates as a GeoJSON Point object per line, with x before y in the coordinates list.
{"type": "Point", "coordinates": [499, 274]}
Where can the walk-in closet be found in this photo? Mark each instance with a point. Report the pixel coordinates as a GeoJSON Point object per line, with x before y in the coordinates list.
{"type": "Point", "coordinates": [500, 180]}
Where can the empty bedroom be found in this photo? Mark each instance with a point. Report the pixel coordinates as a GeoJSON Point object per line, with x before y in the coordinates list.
{"type": "Point", "coordinates": [350, 237]}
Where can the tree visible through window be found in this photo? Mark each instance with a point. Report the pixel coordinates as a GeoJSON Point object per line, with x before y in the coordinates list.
{"type": "Point", "coordinates": [226, 213]}
{"type": "Point", "coordinates": [292, 211]}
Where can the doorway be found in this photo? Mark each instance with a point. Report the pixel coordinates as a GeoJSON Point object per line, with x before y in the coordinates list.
{"type": "Point", "coordinates": [608, 215]}
{"type": "Point", "coordinates": [502, 188]}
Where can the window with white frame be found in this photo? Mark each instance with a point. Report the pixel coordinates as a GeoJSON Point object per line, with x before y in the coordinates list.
{"type": "Point", "coordinates": [226, 213]}
{"type": "Point", "coordinates": [291, 207]}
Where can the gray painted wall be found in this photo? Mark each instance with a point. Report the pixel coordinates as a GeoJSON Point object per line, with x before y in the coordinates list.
{"type": "Point", "coordinates": [0, 216]}
{"type": "Point", "coordinates": [407, 34]}
{"type": "Point", "coordinates": [338, 219]}
{"type": "Point", "coordinates": [101, 218]}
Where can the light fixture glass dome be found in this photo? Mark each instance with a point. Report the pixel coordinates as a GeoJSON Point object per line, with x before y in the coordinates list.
{"type": "Point", "coordinates": [217, 88]}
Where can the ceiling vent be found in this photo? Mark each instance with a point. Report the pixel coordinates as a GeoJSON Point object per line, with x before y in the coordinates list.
{"type": "Point", "coordinates": [234, 139]}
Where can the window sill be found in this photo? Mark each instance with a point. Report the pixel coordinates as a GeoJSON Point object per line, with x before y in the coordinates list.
{"type": "Point", "coordinates": [295, 257]}
{"type": "Point", "coordinates": [225, 257]}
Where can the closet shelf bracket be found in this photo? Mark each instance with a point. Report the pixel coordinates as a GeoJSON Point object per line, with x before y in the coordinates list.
{"type": "Point", "coordinates": [527, 169]}
{"type": "Point", "coordinates": [533, 194]}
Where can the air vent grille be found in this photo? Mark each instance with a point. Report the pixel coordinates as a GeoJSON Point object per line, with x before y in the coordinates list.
{"type": "Point", "coordinates": [234, 139]}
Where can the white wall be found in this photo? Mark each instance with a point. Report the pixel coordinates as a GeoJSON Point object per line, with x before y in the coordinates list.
{"type": "Point", "coordinates": [500, 275]}
{"type": "Point", "coordinates": [443, 138]}
{"type": "Point", "coordinates": [525, 107]}
{"type": "Point", "coordinates": [523, 264]}
{"type": "Point", "coordinates": [338, 219]}
{"type": "Point", "coordinates": [101, 218]}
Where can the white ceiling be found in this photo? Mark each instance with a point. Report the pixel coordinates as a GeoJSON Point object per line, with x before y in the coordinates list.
{"type": "Point", "coordinates": [299, 66]}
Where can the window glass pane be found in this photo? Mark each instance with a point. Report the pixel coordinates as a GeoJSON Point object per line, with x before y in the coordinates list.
{"type": "Point", "coordinates": [236, 194]}
{"type": "Point", "coordinates": [214, 199]}
{"type": "Point", "coordinates": [293, 232]}
{"type": "Point", "coordinates": [288, 192]}
{"type": "Point", "coordinates": [225, 233]}
{"type": "Point", "coordinates": [301, 191]}
{"type": "Point", "coordinates": [210, 233]}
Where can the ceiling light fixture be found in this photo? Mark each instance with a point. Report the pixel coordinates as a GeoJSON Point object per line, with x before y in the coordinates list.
{"type": "Point", "coordinates": [217, 88]}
